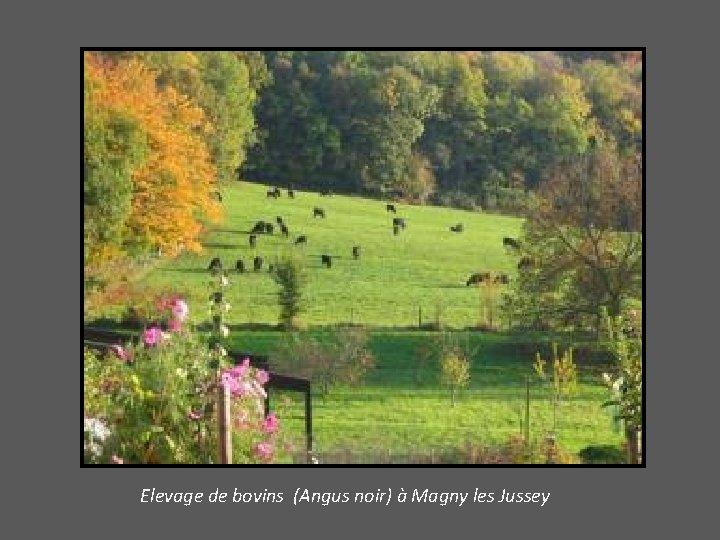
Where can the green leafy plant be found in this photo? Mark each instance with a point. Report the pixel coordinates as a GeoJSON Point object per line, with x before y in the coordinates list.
{"type": "Point", "coordinates": [563, 379]}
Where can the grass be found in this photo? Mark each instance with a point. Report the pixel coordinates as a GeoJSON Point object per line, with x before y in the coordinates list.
{"type": "Point", "coordinates": [423, 268]}
{"type": "Point", "coordinates": [401, 407]}
{"type": "Point", "coordinates": [421, 272]}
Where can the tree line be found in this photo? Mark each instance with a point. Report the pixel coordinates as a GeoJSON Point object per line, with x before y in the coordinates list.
{"type": "Point", "coordinates": [163, 130]}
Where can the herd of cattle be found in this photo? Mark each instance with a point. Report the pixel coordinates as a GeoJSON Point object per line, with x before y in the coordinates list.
{"type": "Point", "coordinates": [398, 224]}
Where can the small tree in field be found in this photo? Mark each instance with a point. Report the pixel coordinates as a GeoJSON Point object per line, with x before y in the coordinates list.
{"type": "Point", "coordinates": [290, 275]}
{"type": "Point", "coordinates": [342, 359]}
{"type": "Point", "coordinates": [454, 372]}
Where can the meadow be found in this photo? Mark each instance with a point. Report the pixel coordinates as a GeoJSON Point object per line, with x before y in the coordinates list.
{"type": "Point", "coordinates": [420, 272]}
{"type": "Point", "coordinates": [399, 281]}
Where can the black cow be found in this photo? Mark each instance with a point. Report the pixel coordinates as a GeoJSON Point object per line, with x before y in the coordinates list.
{"type": "Point", "coordinates": [257, 263]}
{"type": "Point", "coordinates": [258, 228]}
{"type": "Point", "coordinates": [277, 192]}
{"type": "Point", "coordinates": [502, 279]}
{"type": "Point", "coordinates": [291, 194]}
{"type": "Point", "coordinates": [215, 265]}
{"type": "Point", "coordinates": [272, 194]}
{"type": "Point", "coordinates": [318, 212]}
{"type": "Point", "coordinates": [391, 208]}
{"type": "Point", "coordinates": [356, 252]}
{"type": "Point", "coordinates": [240, 266]}
{"type": "Point", "coordinates": [511, 242]}
{"type": "Point", "coordinates": [478, 277]}
{"type": "Point", "coordinates": [326, 260]}
{"type": "Point", "coordinates": [253, 240]}
{"type": "Point", "coordinates": [284, 230]}
{"type": "Point", "coordinates": [279, 220]}
{"type": "Point", "coordinates": [399, 222]}
{"type": "Point", "coordinates": [269, 228]}
{"type": "Point", "coordinates": [525, 263]}
{"type": "Point", "coordinates": [302, 239]}
{"type": "Point", "coordinates": [457, 228]}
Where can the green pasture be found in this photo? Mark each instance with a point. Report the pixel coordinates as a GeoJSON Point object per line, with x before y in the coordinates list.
{"type": "Point", "coordinates": [401, 408]}
{"type": "Point", "coordinates": [420, 273]}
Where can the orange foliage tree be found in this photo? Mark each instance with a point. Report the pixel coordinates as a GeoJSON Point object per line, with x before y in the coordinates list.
{"type": "Point", "coordinates": [173, 185]}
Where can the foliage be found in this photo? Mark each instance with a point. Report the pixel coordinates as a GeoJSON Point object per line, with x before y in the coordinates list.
{"type": "Point", "coordinates": [454, 372]}
{"type": "Point", "coordinates": [563, 379]}
{"type": "Point", "coordinates": [603, 454]}
{"type": "Point", "coordinates": [342, 357]}
{"type": "Point", "coordinates": [157, 133]}
{"type": "Point", "coordinates": [155, 401]}
{"type": "Point", "coordinates": [585, 243]}
{"type": "Point", "coordinates": [624, 340]}
{"type": "Point", "coordinates": [290, 275]}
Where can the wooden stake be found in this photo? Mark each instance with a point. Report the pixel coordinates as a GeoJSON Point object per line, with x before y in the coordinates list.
{"type": "Point", "coordinates": [224, 426]}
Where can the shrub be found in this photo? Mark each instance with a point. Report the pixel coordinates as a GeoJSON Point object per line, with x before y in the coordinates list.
{"type": "Point", "coordinates": [603, 454]}
{"type": "Point", "coordinates": [290, 275]}
{"type": "Point", "coordinates": [342, 358]}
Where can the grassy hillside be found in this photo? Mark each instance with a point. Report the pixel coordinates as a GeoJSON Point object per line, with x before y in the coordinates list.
{"type": "Point", "coordinates": [425, 266]}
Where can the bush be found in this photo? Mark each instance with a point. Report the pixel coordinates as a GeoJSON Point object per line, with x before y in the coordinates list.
{"type": "Point", "coordinates": [290, 275]}
{"type": "Point", "coordinates": [342, 358]}
{"type": "Point", "coordinates": [156, 401]}
{"type": "Point", "coordinates": [603, 454]}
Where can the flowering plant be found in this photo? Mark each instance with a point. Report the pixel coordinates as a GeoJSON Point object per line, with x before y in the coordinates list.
{"type": "Point", "coordinates": [155, 401]}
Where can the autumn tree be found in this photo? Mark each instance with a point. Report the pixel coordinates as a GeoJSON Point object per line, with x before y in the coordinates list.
{"type": "Point", "coordinates": [157, 137]}
{"type": "Point", "coordinates": [582, 248]}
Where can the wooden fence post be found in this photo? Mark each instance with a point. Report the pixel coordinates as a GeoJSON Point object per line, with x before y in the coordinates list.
{"type": "Point", "coordinates": [224, 426]}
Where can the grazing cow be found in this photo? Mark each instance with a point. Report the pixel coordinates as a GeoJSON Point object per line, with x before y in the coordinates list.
{"type": "Point", "coordinates": [277, 192]}
{"type": "Point", "coordinates": [478, 277]}
{"type": "Point", "coordinates": [302, 239]}
{"type": "Point", "coordinates": [279, 220]}
{"type": "Point", "coordinates": [356, 252]}
{"type": "Point", "coordinates": [318, 212]}
{"type": "Point", "coordinates": [253, 240]}
{"type": "Point", "coordinates": [291, 194]}
{"type": "Point", "coordinates": [511, 242]}
{"type": "Point", "coordinates": [240, 266]}
{"type": "Point", "coordinates": [272, 194]}
{"type": "Point", "coordinates": [326, 260]}
{"type": "Point", "coordinates": [399, 222]}
{"type": "Point", "coordinates": [257, 263]}
{"type": "Point", "coordinates": [284, 230]}
{"type": "Point", "coordinates": [269, 228]}
{"type": "Point", "coordinates": [215, 265]}
{"type": "Point", "coordinates": [258, 228]}
{"type": "Point", "coordinates": [502, 279]}
{"type": "Point", "coordinates": [457, 228]}
{"type": "Point", "coordinates": [391, 208]}
{"type": "Point", "coordinates": [525, 263]}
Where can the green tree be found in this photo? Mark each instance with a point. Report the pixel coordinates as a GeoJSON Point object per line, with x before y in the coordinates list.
{"type": "Point", "coordinates": [289, 274]}
{"type": "Point", "coordinates": [454, 372]}
{"type": "Point", "coordinates": [582, 244]}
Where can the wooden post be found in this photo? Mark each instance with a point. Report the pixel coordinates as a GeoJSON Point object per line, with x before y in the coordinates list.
{"type": "Point", "coordinates": [527, 411]}
{"type": "Point", "coordinates": [419, 316]}
{"type": "Point", "coordinates": [224, 426]}
{"type": "Point", "coordinates": [308, 421]}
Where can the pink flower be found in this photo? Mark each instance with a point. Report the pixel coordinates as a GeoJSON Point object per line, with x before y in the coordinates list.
{"type": "Point", "coordinates": [179, 308]}
{"type": "Point", "coordinates": [152, 336]}
{"type": "Point", "coordinates": [117, 460]}
{"type": "Point", "coordinates": [263, 451]}
{"type": "Point", "coordinates": [262, 376]}
{"type": "Point", "coordinates": [120, 352]}
{"type": "Point", "coordinates": [270, 424]}
{"type": "Point", "coordinates": [174, 325]}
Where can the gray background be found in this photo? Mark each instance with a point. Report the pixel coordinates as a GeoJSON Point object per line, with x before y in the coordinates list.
{"type": "Point", "coordinates": [46, 491]}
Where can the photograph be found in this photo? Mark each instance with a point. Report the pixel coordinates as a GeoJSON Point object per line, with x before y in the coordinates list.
{"type": "Point", "coordinates": [383, 257]}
